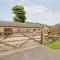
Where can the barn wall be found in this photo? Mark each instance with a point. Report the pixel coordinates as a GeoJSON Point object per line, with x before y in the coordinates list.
{"type": "Point", "coordinates": [1, 29]}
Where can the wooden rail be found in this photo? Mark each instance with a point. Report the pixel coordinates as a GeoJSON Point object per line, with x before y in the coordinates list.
{"type": "Point", "coordinates": [31, 38]}
{"type": "Point", "coordinates": [2, 41]}
{"type": "Point", "coordinates": [7, 44]}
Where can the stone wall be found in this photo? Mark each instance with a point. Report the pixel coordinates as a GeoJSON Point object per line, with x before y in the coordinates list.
{"type": "Point", "coordinates": [25, 30]}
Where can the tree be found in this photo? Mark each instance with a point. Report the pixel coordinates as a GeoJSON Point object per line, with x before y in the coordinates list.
{"type": "Point", "coordinates": [19, 13]}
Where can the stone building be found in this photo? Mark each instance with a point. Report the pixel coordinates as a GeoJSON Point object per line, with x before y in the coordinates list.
{"type": "Point", "coordinates": [55, 29]}
{"type": "Point", "coordinates": [7, 28]}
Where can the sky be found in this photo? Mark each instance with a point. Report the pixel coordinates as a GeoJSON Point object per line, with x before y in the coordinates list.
{"type": "Point", "coordinates": [37, 11]}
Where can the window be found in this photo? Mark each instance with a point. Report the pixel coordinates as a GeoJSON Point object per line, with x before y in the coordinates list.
{"type": "Point", "coordinates": [0, 34]}
{"type": "Point", "coordinates": [39, 29]}
{"type": "Point", "coordinates": [18, 30]}
{"type": "Point", "coordinates": [34, 29]}
{"type": "Point", "coordinates": [27, 30]}
{"type": "Point", "coordinates": [8, 30]}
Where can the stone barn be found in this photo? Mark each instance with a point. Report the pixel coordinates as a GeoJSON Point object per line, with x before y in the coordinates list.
{"type": "Point", "coordinates": [8, 28]}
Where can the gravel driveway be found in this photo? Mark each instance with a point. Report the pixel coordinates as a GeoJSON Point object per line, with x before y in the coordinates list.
{"type": "Point", "coordinates": [36, 53]}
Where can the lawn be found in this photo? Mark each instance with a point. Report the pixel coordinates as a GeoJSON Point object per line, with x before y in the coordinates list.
{"type": "Point", "coordinates": [54, 45]}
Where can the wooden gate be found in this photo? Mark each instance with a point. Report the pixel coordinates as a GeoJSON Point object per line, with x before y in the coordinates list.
{"type": "Point", "coordinates": [17, 40]}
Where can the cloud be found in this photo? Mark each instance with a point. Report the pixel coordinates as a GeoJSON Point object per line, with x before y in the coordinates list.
{"type": "Point", "coordinates": [41, 14]}
{"type": "Point", "coordinates": [47, 0]}
{"type": "Point", "coordinates": [11, 0]}
{"type": "Point", "coordinates": [35, 9]}
{"type": "Point", "coordinates": [7, 1]}
{"type": "Point", "coordinates": [38, 0]}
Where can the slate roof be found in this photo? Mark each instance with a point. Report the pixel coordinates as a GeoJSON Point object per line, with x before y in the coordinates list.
{"type": "Point", "coordinates": [17, 24]}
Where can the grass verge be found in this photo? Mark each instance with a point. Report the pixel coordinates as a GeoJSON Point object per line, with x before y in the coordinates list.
{"type": "Point", "coordinates": [53, 45]}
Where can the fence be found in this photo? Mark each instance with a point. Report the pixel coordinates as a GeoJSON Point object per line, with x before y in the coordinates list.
{"type": "Point", "coordinates": [16, 41]}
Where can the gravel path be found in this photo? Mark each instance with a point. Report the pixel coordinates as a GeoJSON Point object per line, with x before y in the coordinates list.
{"type": "Point", "coordinates": [36, 53]}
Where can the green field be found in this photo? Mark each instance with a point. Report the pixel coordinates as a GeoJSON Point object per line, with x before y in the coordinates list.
{"type": "Point", "coordinates": [54, 45]}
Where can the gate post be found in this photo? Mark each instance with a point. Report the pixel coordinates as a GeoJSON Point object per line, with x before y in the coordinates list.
{"type": "Point", "coordinates": [41, 36]}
